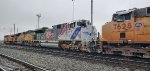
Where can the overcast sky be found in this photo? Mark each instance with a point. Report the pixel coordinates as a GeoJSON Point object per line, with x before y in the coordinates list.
{"type": "Point", "coordinates": [23, 12]}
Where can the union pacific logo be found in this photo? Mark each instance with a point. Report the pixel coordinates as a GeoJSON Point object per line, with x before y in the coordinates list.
{"type": "Point", "coordinates": [138, 25]}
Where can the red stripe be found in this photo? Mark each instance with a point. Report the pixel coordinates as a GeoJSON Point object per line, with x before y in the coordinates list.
{"type": "Point", "coordinates": [64, 30]}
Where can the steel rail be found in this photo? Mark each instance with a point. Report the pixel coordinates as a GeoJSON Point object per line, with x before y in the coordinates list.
{"type": "Point", "coordinates": [28, 65]}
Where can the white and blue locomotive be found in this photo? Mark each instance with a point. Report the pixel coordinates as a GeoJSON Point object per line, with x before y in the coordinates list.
{"type": "Point", "coordinates": [77, 35]}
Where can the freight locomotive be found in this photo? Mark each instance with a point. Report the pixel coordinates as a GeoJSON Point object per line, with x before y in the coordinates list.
{"type": "Point", "coordinates": [127, 34]}
{"type": "Point", "coordinates": [78, 35]}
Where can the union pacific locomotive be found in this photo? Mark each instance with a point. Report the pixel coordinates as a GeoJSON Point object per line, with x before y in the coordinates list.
{"type": "Point", "coordinates": [127, 34]}
{"type": "Point", "coordinates": [77, 35]}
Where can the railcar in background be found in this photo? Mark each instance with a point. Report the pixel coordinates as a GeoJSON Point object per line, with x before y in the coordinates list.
{"type": "Point", "coordinates": [6, 39]}
{"type": "Point", "coordinates": [31, 37]}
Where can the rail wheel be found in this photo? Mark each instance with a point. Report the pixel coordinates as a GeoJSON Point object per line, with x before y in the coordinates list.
{"type": "Point", "coordinates": [99, 50]}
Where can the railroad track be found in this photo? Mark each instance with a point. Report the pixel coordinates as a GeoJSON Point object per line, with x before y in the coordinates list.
{"type": "Point", "coordinates": [2, 69]}
{"type": "Point", "coordinates": [122, 61]}
{"type": "Point", "coordinates": [26, 64]}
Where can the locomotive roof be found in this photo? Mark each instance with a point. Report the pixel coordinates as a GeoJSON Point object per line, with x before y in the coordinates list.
{"type": "Point", "coordinates": [125, 11]}
{"type": "Point", "coordinates": [131, 10]}
{"type": "Point", "coordinates": [18, 34]}
{"type": "Point", "coordinates": [6, 35]}
{"type": "Point", "coordinates": [58, 24]}
{"type": "Point", "coordinates": [71, 22]}
{"type": "Point", "coordinates": [12, 35]}
{"type": "Point", "coordinates": [40, 29]}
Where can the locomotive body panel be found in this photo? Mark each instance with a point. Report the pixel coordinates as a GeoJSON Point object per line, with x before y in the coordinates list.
{"type": "Point", "coordinates": [80, 30]}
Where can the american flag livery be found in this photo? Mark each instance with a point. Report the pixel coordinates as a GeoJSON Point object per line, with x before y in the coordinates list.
{"type": "Point", "coordinates": [64, 29]}
{"type": "Point", "coordinates": [49, 35]}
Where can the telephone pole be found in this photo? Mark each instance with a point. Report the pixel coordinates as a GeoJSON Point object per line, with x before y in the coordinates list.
{"type": "Point", "coordinates": [14, 28]}
{"type": "Point", "coordinates": [38, 15]}
{"type": "Point", "coordinates": [17, 30]}
{"type": "Point", "coordinates": [92, 12]}
{"type": "Point", "coordinates": [73, 10]}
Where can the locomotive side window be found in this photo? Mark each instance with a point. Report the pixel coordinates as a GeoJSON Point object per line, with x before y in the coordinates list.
{"type": "Point", "coordinates": [82, 24]}
{"type": "Point", "coordinates": [122, 17]}
{"type": "Point", "coordinates": [122, 35]}
{"type": "Point", "coordinates": [63, 25]}
{"type": "Point", "coordinates": [68, 25]}
{"type": "Point", "coordinates": [88, 23]}
{"type": "Point", "coordinates": [148, 11]}
{"type": "Point", "coordinates": [114, 18]}
{"type": "Point", "coordinates": [117, 17]}
{"type": "Point", "coordinates": [72, 25]}
{"type": "Point", "coordinates": [58, 26]}
{"type": "Point", "coordinates": [127, 16]}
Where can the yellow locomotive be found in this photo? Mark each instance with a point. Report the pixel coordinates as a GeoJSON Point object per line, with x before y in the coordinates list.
{"type": "Point", "coordinates": [9, 39]}
{"type": "Point", "coordinates": [128, 33]}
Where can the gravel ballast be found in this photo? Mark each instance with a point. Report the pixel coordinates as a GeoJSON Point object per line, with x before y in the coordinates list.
{"type": "Point", "coordinates": [59, 63]}
{"type": "Point", "coordinates": [11, 66]}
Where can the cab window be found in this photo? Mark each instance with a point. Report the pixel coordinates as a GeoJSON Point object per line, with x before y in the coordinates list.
{"type": "Point", "coordinates": [148, 11]}
{"type": "Point", "coordinates": [58, 26]}
{"type": "Point", "coordinates": [82, 24]}
{"type": "Point", "coordinates": [122, 17]}
{"type": "Point", "coordinates": [127, 16]}
{"type": "Point", "coordinates": [72, 25]}
{"type": "Point", "coordinates": [68, 25]}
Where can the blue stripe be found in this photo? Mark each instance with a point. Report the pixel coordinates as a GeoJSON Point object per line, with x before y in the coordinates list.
{"type": "Point", "coordinates": [74, 35]}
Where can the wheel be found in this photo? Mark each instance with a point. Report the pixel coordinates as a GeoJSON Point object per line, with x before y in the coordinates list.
{"type": "Point", "coordinates": [89, 50]}
{"type": "Point", "coordinates": [99, 50]}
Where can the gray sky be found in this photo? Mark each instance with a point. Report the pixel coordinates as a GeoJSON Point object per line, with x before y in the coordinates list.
{"type": "Point", "coordinates": [23, 12]}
